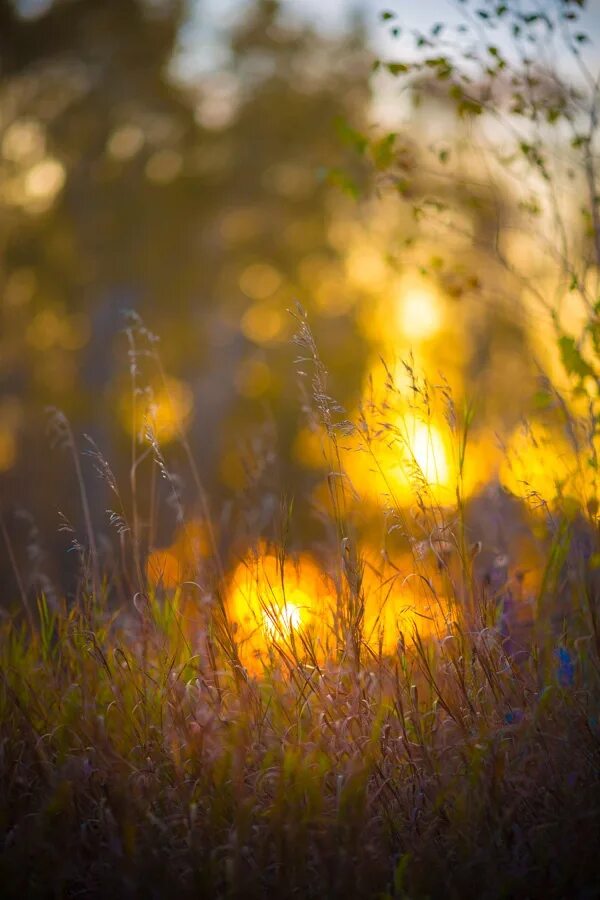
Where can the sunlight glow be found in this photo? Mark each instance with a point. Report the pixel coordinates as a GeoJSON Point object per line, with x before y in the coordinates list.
{"type": "Point", "coordinates": [282, 620]}
{"type": "Point", "coordinates": [409, 458]}
{"type": "Point", "coordinates": [167, 410]}
{"type": "Point", "coordinates": [267, 606]}
{"type": "Point", "coordinates": [418, 313]}
{"type": "Point", "coordinates": [395, 604]}
{"type": "Point", "coordinates": [540, 464]}
{"type": "Point", "coordinates": [424, 449]}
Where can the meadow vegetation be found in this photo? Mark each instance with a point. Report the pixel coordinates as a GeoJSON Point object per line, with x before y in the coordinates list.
{"type": "Point", "coordinates": [341, 725]}
{"type": "Point", "coordinates": [402, 700]}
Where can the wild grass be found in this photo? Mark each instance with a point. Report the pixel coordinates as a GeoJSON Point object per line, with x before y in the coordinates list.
{"type": "Point", "coordinates": [141, 756]}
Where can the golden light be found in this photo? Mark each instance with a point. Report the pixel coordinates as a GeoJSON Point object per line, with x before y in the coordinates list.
{"type": "Point", "coordinates": [259, 281]}
{"type": "Point", "coordinates": [282, 620]}
{"type": "Point", "coordinates": [397, 602]}
{"type": "Point", "coordinates": [411, 456]}
{"type": "Point", "coordinates": [423, 447]}
{"type": "Point", "coordinates": [20, 287]}
{"type": "Point", "coordinates": [167, 410]}
{"type": "Point", "coordinates": [23, 140]}
{"type": "Point", "coordinates": [269, 604]}
{"type": "Point", "coordinates": [168, 566]}
{"type": "Point", "coordinates": [539, 464]}
{"type": "Point", "coordinates": [44, 180]}
{"type": "Point", "coordinates": [263, 323]}
{"type": "Point", "coordinates": [252, 378]}
{"type": "Point", "coordinates": [125, 142]}
{"type": "Point", "coordinates": [8, 448]}
{"type": "Point", "coordinates": [163, 569]}
{"type": "Point", "coordinates": [419, 314]}
{"type": "Point", "coordinates": [44, 330]}
{"type": "Point", "coordinates": [365, 267]}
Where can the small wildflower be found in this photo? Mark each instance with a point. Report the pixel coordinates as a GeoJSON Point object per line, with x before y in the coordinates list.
{"type": "Point", "coordinates": [565, 667]}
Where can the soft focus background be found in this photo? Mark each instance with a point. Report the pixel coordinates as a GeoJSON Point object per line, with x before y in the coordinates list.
{"type": "Point", "coordinates": [196, 163]}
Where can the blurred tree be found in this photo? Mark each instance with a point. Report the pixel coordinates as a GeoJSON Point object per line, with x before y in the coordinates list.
{"type": "Point", "coordinates": [194, 204]}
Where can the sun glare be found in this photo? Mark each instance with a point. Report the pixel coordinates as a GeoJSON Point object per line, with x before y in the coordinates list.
{"type": "Point", "coordinates": [282, 620]}
{"type": "Point", "coordinates": [405, 459]}
{"type": "Point", "coordinates": [267, 606]}
{"type": "Point", "coordinates": [424, 447]}
{"type": "Point", "coordinates": [418, 312]}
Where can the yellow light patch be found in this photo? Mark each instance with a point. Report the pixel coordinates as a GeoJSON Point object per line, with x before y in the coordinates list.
{"type": "Point", "coordinates": [259, 281]}
{"type": "Point", "coordinates": [166, 410]}
{"type": "Point", "coordinates": [262, 323]}
{"type": "Point", "coordinates": [418, 311]}
{"type": "Point", "coordinates": [268, 606]}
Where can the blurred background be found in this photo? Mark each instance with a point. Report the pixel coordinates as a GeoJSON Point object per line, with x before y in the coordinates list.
{"type": "Point", "coordinates": [195, 163]}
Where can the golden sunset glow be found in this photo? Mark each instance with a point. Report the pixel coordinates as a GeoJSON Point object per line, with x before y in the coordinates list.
{"type": "Point", "coordinates": [418, 311]}
{"type": "Point", "coordinates": [408, 457]}
{"type": "Point", "coordinates": [267, 605]}
{"type": "Point", "coordinates": [540, 464]}
{"type": "Point", "coordinates": [398, 602]}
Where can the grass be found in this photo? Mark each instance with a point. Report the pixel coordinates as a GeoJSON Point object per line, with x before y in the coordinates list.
{"type": "Point", "coordinates": [141, 754]}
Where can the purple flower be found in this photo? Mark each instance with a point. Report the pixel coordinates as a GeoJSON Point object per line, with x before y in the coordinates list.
{"type": "Point", "coordinates": [565, 669]}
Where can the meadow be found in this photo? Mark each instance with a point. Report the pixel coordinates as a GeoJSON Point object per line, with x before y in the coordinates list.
{"type": "Point", "coordinates": [351, 723]}
{"type": "Point", "coordinates": [299, 453]}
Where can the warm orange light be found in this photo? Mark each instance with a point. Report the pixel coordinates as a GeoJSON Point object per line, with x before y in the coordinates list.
{"type": "Point", "coordinates": [407, 457]}
{"type": "Point", "coordinates": [397, 602]}
{"type": "Point", "coordinates": [269, 605]}
{"type": "Point", "coordinates": [282, 620]}
{"type": "Point", "coordinates": [540, 464]}
{"type": "Point", "coordinates": [167, 567]}
{"type": "Point", "coordinates": [163, 569]}
{"type": "Point", "coordinates": [166, 410]}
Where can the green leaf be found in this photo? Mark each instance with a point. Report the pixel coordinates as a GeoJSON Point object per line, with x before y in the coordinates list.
{"type": "Point", "coordinates": [384, 151]}
{"type": "Point", "coordinates": [340, 179]}
{"type": "Point", "coordinates": [397, 68]}
{"type": "Point", "coordinates": [350, 136]}
{"type": "Point", "coordinates": [400, 873]}
{"type": "Point", "coordinates": [572, 359]}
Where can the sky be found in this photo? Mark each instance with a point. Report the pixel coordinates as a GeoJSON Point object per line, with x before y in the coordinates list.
{"type": "Point", "coordinates": [203, 45]}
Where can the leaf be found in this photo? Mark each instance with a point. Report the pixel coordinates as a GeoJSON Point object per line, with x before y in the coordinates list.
{"type": "Point", "coordinates": [384, 151]}
{"type": "Point", "coordinates": [572, 359]}
{"type": "Point", "coordinates": [397, 68]}
{"type": "Point", "coordinates": [350, 136]}
{"type": "Point", "coordinates": [400, 873]}
{"type": "Point", "coordinates": [340, 179]}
